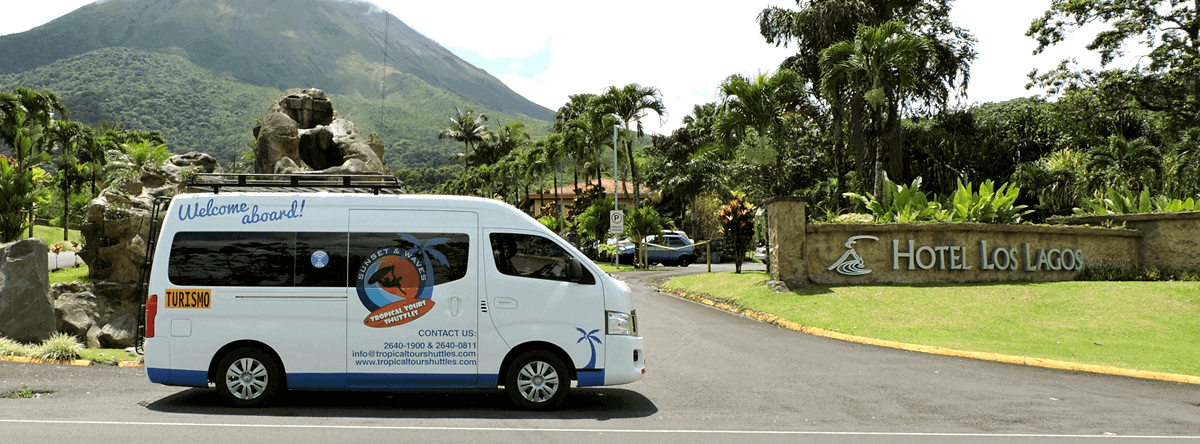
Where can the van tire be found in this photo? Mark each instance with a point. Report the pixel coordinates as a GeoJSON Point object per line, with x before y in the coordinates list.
{"type": "Point", "coordinates": [537, 380]}
{"type": "Point", "coordinates": [685, 261]}
{"type": "Point", "coordinates": [248, 377]}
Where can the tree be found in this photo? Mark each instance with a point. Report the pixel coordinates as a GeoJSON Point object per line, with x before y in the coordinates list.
{"type": "Point", "coordinates": [585, 132]}
{"type": "Point", "coordinates": [737, 224]}
{"type": "Point", "coordinates": [72, 162]}
{"type": "Point", "coordinates": [882, 63]}
{"type": "Point", "coordinates": [466, 127]}
{"type": "Point", "coordinates": [25, 116]}
{"type": "Point", "coordinates": [1126, 163]}
{"type": "Point", "coordinates": [640, 223]}
{"type": "Point", "coordinates": [629, 104]}
{"type": "Point", "coordinates": [760, 104]}
{"type": "Point", "coordinates": [818, 24]}
{"type": "Point", "coordinates": [1167, 79]}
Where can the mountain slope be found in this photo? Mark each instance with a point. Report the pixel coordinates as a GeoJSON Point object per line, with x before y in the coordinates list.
{"type": "Point", "coordinates": [334, 45]}
{"type": "Point", "coordinates": [199, 110]}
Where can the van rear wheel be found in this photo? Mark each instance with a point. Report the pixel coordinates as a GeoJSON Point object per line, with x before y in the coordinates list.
{"type": "Point", "coordinates": [248, 377]}
{"type": "Point", "coordinates": [537, 380]}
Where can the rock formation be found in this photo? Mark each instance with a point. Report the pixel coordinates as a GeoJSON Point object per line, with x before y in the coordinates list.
{"type": "Point", "coordinates": [116, 234]}
{"type": "Point", "coordinates": [25, 311]}
{"type": "Point", "coordinates": [302, 132]}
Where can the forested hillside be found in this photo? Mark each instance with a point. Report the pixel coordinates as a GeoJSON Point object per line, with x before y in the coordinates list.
{"type": "Point", "coordinates": [199, 110]}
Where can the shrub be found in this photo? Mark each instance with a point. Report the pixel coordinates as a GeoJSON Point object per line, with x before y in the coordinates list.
{"type": "Point", "coordinates": [901, 203]}
{"type": "Point", "coordinates": [9, 347]}
{"type": "Point", "coordinates": [1137, 274]}
{"type": "Point", "coordinates": [1122, 200]}
{"type": "Point", "coordinates": [60, 347]}
{"type": "Point", "coordinates": [988, 205]}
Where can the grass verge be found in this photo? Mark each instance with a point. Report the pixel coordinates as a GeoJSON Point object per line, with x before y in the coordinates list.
{"type": "Point", "coordinates": [69, 274]}
{"type": "Point", "coordinates": [1135, 325]}
{"type": "Point", "coordinates": [53, 235]}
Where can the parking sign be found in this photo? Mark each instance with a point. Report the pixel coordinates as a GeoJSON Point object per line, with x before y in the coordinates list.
{"type": "Point", "coordinates": [616, 221]}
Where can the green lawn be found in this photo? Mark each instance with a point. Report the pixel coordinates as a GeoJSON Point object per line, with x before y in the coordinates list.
{"type": "Point", "coordinates": [54, 235]}
{"type": "Point", "coordinates": [1136, 325]}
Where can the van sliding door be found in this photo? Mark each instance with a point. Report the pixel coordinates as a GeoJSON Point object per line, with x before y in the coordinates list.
{"type": "Point", "coordinates": [412, 320]}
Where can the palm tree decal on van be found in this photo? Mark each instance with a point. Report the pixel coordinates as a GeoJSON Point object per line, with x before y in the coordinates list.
{"type": "Point", "coordinates": [426, 251]}
{"type": "Point", "coordinates": [589, 336]}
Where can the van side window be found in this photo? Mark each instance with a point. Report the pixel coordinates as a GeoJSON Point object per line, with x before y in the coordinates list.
{"type": "Point", "coordinates": [243, 259]}
{"type": "Point", "coordinates": [446, 254]}
{"type": "Point", "coordinates": [533, 257]}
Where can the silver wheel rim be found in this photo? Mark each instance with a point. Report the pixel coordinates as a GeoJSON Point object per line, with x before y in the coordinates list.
{"type": "Point", "coordinates": [246, 378]}
{"type": "Point", "coordinates": [537, 381]}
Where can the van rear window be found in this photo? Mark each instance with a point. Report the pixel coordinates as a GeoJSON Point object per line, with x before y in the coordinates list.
{"type": "Point", "coordinates": [258, 259]}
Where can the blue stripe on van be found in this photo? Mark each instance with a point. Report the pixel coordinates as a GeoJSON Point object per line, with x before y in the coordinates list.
{"type": "Point", "coordinates": [411, 380]}
{"type": "Point", "coordinates": [590, 377]}
{"type": "Point", "coordinates": [187, 378]}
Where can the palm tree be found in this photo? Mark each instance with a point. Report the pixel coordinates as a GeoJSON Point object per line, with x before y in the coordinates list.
{"type": "Point", "coordinates": [70, 161]}
{"type": "Point", "coordinates": [759, 104]}
{"type": "Point", "coordinates": [589, 336]}
{"type": "Point", "coordinates": [426, 250]}
{"type": "Point", "coordinates": [629, 104]}
{"type": "Point", "coordinates": [882, 62]}
{"type": "Point", "coordinates": [1126, 163]}
{"type": "Point", "coordinates": [819, 24]}
{"type": "Point", "coordinates": [466, 127]}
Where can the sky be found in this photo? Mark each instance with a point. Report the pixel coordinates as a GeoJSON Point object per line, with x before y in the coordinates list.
{"type": "Point", "coordinates": [547, 50]}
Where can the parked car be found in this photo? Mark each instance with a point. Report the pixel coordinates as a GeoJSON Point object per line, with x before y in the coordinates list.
{"type": "Point", "coordinates": [678, 250]}
{"type": "Point", "coordinates": [760, 254]}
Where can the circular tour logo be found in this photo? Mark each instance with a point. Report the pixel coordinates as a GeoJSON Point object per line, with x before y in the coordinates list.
{"type": "Point", "coordinates": [394, 285]}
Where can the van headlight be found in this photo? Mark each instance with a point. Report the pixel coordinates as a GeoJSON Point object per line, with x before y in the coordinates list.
{"type": "Point", "coordinates": [621, 324]}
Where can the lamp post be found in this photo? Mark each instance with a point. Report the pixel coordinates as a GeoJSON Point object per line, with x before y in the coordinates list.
{"type": "Point", "coordinates": [616, 201]}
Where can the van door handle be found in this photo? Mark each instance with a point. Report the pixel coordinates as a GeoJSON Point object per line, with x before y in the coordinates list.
{"type": "Point", "coordinates": [454, 310]}
{"type": "Point", "coordinates": [506, 303]}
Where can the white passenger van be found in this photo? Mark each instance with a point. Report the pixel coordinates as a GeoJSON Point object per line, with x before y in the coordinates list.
{"type": "Point", "coordinates": [257, 292]}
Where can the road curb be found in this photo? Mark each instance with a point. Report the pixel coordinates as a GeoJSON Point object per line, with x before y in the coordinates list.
{"type": "Point", "coordinates": [26, 360]}
{"type": "Point", "coordinates": [985, 356]}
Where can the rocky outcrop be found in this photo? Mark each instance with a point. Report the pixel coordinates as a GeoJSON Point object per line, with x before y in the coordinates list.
{"type": "Point", "coordinates": [105, 313]}
{"type": "Point", "coordinates": [302, 132]}
{"type": "Point", "coordinates": [25, 311]}
{"type": "Point", "coordinates": [118, 221]}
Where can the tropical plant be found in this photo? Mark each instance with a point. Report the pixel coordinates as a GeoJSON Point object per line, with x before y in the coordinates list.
{"type": "Point", "coordinates": [819, 24]}
{"type": "Point", "coordinates": [640, 223]}
{"type": "Point", "coordinates": [60, 347]}
{"type": "Point", "coordinates": [737, 225]}
{"type": "Point", "coordinates": [882, 62]}
{"type": "Point", "coordinates": [629, 104]}
{"type": "Point", "coordinates": [901, 203]}
{"type": "Point", "coordinates": [988, 205]}
{"type": "Point", "coordinates": [1121, 200]}
{"type": "Point", "coordinates": [468, 128]}
{"type": "Point", "coordinates": [1126, 163]}
{"type": "Point", "coordinates": [592, 224]}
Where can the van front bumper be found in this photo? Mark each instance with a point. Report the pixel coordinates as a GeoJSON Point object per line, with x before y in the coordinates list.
{"type": "Point", "coordinates": [625, 359]}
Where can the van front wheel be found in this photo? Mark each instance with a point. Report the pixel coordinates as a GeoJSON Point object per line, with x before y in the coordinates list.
{"type": "Point", "coordinates": [248, 377]}
{"type": "Point", "coordinates": [537, 380]}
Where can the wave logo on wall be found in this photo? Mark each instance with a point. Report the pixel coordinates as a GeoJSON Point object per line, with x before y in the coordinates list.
{"type": "Point", "coordinates": [851, 264]}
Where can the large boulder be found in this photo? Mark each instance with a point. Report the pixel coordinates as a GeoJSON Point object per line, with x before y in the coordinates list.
{"type": "Point", "coordinates": [25, 311]}
{"type": "Point", "coordinates": [105, 313]}
{"type": "Point", "coordinates": [302, 133]}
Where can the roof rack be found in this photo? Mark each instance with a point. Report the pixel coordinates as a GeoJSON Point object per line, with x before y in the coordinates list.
{"type": "Point", "coordinates": [312, 182]}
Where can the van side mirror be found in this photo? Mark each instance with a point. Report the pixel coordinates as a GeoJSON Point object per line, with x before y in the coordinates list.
{"type": "Point", "coordinates": [574, 270]}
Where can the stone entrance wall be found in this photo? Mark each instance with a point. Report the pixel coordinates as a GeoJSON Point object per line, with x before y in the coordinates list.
{"type": "Point", "coordinates": [1169, 240]}
{"type": "Point", "coordinates": [971, 252]}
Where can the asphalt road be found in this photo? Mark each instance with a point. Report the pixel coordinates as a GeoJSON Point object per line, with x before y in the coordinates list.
{"type": "Point", "coordinates": [712, 377]}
